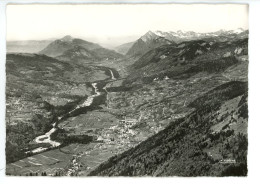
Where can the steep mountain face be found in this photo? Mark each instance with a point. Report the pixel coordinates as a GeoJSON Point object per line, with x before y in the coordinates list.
{"type": "Point", "coordinates": [28, 46]}
{"type": "Point", "coordinates": [123, 49]}
{"type": "Point", "coordinates": [155, 39]}
{"type": "Point", "coordinates": [58, 47]}
{"type": "Point", "coordinates": [146, 43]}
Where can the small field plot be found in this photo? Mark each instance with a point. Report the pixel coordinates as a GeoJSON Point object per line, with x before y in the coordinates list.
{"type": "Point", "coordinates": [95, 157]}
{"type": "Point", "coordinates": [86, 123]}
{"type": "Point", "coordinates": [49, 162]}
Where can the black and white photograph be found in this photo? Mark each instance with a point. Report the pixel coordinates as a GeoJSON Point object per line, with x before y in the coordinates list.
{"type": "Point", "coordinates": [133, 90]}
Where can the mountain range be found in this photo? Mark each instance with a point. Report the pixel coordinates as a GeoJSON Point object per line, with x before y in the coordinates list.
{"type": "Point", "coordinates": [148, 41]}
{"type": "Point", "coordinates": [154, 39]}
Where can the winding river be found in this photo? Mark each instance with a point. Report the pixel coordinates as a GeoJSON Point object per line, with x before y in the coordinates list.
{"type": "Point", "coordinates": [46, 138]}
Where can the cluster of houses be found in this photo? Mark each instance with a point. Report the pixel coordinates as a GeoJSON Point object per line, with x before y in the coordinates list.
{"type": "Point", "coordinates": [75, 166]}
{"type": "Point", "coordinates": [118, 135]}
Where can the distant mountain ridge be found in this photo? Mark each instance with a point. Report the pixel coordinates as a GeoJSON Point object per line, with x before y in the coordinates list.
{"type": "Point", "coordinates": [180, 36]}
{"type": "Point", "coordinates": [154, 39]}
{"type": "Point", "coordinates": [69, 48]}
{"type": "Point", "coordinates": [59, 46]}
{"type": "Point", "coordinates": [27, 46]}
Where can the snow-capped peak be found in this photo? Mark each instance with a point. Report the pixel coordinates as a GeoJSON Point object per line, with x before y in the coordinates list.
{"type": "Point", "coordinates": [159, 33]}
{"type": "Point", "coordinates": [171, 35]}
{"type": "Point", "coordinates": [239, 30]}
{"type": "Point", "coordinates": [148, 36]}
{"type": "Point", "coordinates": [179, 32]}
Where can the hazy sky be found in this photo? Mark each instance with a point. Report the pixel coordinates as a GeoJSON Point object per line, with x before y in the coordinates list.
{"type": "Point", "coordinates": [117, 24]}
